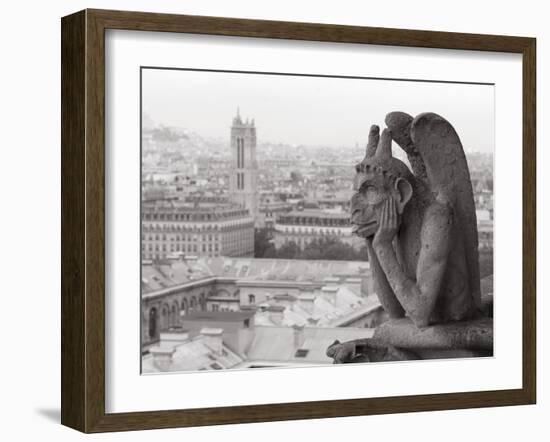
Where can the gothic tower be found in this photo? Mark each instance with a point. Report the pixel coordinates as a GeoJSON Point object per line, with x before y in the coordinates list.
{"type": "Point", "coordinates": [244, 168]}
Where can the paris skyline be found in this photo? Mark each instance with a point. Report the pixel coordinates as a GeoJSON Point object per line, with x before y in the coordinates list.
{"type": "Point", "coordinates": [311, 110]}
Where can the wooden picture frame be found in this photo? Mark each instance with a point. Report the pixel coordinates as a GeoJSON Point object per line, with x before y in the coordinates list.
{"type": "Point", "coordinates": [83, 220]}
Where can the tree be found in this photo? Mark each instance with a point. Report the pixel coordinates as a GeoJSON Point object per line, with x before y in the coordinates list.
{"type": "Point", "coordinates": [326, 247]}
{"type": "Point", "coordinates": [312, 251]}
{"type": "Point", "coordinates": [262, 242]}
{"type": "Point", "coordinates": [339, 251]}
{"type": "Point", "coordinates": [289, 250]}
{"type": "Point", "coordinates": [270, 252]}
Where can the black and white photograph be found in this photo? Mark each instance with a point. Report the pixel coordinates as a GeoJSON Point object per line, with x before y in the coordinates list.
{"type": "Point", "coordinates": [301, 220]}
{"type": "Point", "coordinates": [251, 221]}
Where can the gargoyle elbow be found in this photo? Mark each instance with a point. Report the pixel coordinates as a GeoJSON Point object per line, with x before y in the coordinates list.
{"type": "Point", "coordinates": [421, 321]}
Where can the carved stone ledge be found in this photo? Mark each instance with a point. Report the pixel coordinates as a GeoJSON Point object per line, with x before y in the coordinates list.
{"type": "Point", "coordinates": [401, 340]}
{"type": "Point", "coordinates": [466, 335]}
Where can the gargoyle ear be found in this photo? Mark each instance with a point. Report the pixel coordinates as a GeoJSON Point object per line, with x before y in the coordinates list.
{"type": "Point", "coordinates": [405, 191]}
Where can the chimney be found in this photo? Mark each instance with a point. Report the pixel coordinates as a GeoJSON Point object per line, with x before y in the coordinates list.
{"type": "Point", "coordinates": [276, 314]}
{"type": "Point", "coordinates": [285, 300]}
{"type": "Point", "coordinates": [299, 335]}
{"type": "Point", "coordinates": [331, 280]}
{"type": "Point", "coordinates": [356, 283]}
{"type": "Point", "coordinates": [313, 321]}
{"type": "Point", "coordinates": [307, 302]}
{"type": "Point", "coordinates": [173, 338]}
{"type": "Point", "coordinates": [162, 357]}
{"type": "Point", "coordinates": [213, 338]}
{"type": "Point", "coordinates": [329, 293]}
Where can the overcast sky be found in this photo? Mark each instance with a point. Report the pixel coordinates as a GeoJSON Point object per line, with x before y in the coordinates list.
{"type": "Point", "coordinates": [311, 110]}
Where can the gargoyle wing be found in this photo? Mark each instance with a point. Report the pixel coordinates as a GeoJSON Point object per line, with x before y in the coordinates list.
{"type": "Point", "coordinates": [400, 123]}
{"type": "Point", "coordinates": [437, 157]}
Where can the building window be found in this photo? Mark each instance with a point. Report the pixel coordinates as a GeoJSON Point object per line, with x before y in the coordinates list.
{"type": "Point", "coordinates": [251, 299]}
{"type": "Point", "coordinates": [173, 317]}
{"type": "Point", "coordinates": [152, 322]}
{"type": "Point", "coordinates": [301, 353]}
{"type": "Point", "coordinates": [242, 153]}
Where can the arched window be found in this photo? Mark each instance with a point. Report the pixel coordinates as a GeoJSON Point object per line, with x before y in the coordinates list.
{"type": "Point", "coordinates": [251, 299]}
{"type": "Point", "coordinates": [173, 317]}
{"type": "Point", "coordinates": [152, 323]}
{"type": "Point", "coordinates": [193, 303]}
{"type": "Point", "coordinates": [165, 318]}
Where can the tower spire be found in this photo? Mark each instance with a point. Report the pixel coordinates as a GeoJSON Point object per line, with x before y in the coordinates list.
{"type": "Point", "coordinates": [237, 120]}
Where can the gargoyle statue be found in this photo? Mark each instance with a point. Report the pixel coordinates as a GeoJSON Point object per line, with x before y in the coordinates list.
{"type": "Point", "coordinates": [420, 225]}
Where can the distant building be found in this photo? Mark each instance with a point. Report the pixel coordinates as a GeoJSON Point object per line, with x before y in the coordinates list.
{"type": "Point", "coordinates": [271, 207]}
{"type": "Point", "coordinates": [180, 350]}
{"type": "Point", "coordinates": [304, 226]}
{"type": "Point", "coordinates": [342, 291]}
{"type": "Point", "coordinates": [222, 340]}
{"type": "Point", "coordinates": [485, 229]}
{"type": "Point", "coordinates": [243, 180]}
{"type": "Point", "coordinates": [171, 229]}
{"type": "Point", "coordinates": [337, 200]}
{"type": "Point", "coordinates": [339, 305]}
{"type": "Point", "coordinates": [485, 235]}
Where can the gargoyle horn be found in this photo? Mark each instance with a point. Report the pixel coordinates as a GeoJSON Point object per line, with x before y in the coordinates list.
{"type": "Point", "coordinates": [372, 144]}
{"type": "Point", "coordinates": [384, 146]}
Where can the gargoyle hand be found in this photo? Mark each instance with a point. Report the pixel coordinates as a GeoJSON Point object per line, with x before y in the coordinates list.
{"type": "Point", "coordinates": [341, 352]}
{"type": "Point", "coordinates": [388, 224]}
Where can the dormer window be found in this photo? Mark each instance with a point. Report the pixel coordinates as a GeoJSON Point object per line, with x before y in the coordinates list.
{"type": "Point", "coordinates": [301, 353]}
